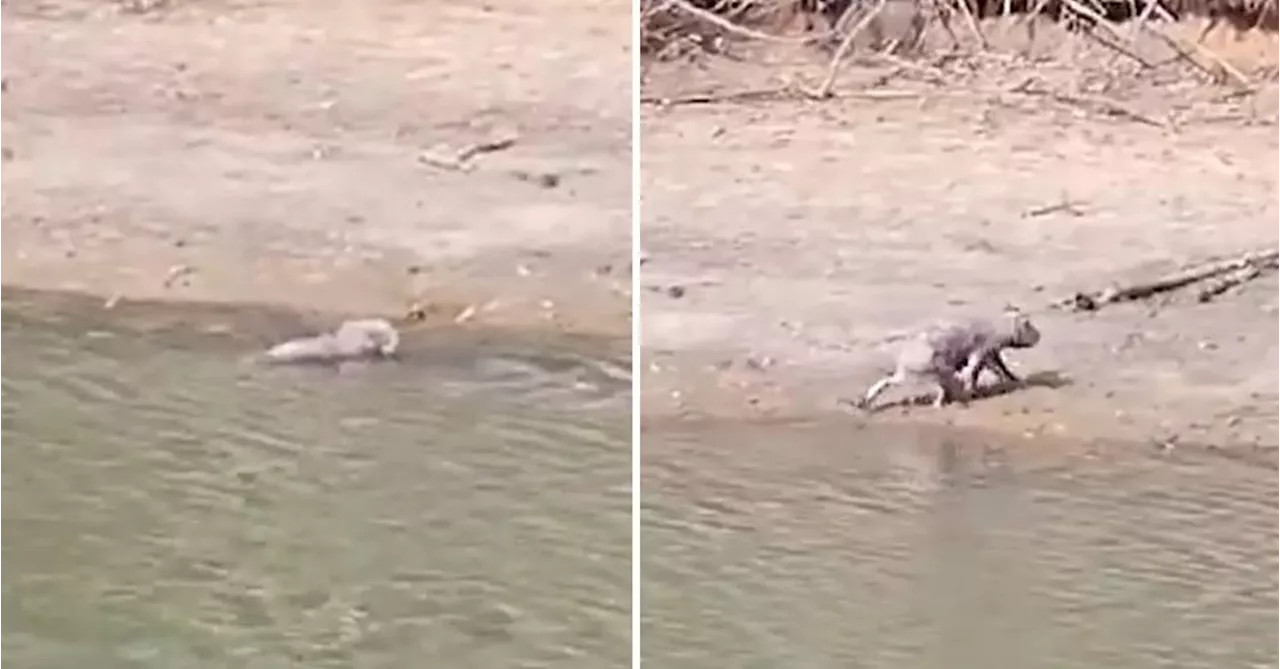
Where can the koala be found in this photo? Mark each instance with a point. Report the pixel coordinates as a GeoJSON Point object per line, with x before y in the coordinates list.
{"type": "Point", "coordinates": [945, 351]}
{"type": "Point", "coordinates": [353, 340]}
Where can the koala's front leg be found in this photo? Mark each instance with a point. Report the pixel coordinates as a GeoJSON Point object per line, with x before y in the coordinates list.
{"type": "Point", "coordinates": [972, 370]}
{"type": "Point", "coordinates": [996, 362]}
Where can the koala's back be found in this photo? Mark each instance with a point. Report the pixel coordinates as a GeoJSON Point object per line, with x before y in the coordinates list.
{"type": "Point", "coordinates": [945, 346]}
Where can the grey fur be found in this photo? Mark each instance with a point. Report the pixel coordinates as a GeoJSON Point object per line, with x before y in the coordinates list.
{"type": "Point", "coordinates": [965, 348]}
{"type": "Point", "coordinates": [353, 340]}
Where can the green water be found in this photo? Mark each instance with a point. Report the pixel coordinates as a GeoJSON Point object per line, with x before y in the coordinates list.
{"type": "Point", "coordinates": [807, 546]}
{"type": "Point", "coordinates": [167, 505]}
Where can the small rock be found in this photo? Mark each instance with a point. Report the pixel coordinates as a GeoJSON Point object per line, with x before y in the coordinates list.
{"type": "Point", "coordinates": [675, 292]}
{"type": "Point", "coordinates": [417, 311]}
{"type": "Point", "coordinates": [523, 270]}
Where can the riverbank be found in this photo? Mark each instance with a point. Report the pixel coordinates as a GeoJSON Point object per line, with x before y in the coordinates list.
{"type": "Point", "coordinates": [281, 154]}
{"type": "Point", "coordinates": [788, 241]}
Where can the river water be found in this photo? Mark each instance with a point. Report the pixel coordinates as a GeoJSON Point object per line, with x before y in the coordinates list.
{"type": "Point", "coordinates": [808, 546]}
{"type": "Point", "coordinates": [168, 505]}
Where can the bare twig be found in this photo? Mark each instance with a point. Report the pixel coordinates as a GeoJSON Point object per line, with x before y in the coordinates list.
{"type": "Point", "coordinates": [1181, 49]}
{"type": "Point", "coordinates": [1178, 46]}
{"type": "Point", "coordinates": [742, 31]}
{"type": "Point", "coordinates": [833, 70]}
{"type": "Point", "coordinates": [1228, 282]}
{"type": "Point", "coordinates": [487, 146]}
{"type": "Point", "coordinates": [1106, 105]}
{"type": "Point", "coordinates": [1064, 205]}
{"type": "Point", "coordinates": [460, 161]}
{"type": "Point", "coordinates": [776, 93]}
{"type": "Point", "coordinates": [770, 94]}
{"type": "Point", "coordinates": [972, 22]}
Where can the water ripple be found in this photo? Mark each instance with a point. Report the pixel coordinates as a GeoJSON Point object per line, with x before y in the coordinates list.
{"type": "Point", "coordinates": [179, 508]}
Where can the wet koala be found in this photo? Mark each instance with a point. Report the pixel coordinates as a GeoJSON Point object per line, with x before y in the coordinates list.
{"type": "Point", "coordinates": [953, 355]}
{"type": "Point", "coordinates": [353, 340]}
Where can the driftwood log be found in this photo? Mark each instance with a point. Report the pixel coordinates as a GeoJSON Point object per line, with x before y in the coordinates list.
{"type": "Point", "coordinates": [1225, 275]}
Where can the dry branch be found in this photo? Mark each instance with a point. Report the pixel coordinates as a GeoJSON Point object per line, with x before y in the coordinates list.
{"type": "Point", "coordinates": [1107, 106]}
{"type": "Point", "coordinates": [1243, 268]}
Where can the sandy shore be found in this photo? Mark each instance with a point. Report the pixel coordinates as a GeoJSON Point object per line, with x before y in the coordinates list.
{"type": "Point", "coordinates": [789, 241]}
{"type": "Point", "coordinates": [272, 153]}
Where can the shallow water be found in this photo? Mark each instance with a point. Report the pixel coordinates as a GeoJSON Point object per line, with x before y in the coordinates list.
{"type": "Point", "coordinates": [167, 505]}
{"type": "Point", "coordinates": [819, 546]}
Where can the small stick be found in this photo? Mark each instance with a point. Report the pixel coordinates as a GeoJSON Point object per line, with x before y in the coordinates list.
{"type": "Point", "coordinates": [973, 23]}
{"type": "Point", "coordinates": [487, 146]}
{"type": "Point", "coordinates": [711, 98]}
{"type": "Point", "coordinates": [1100, 20]}
{"type": "Point", "coordinates": [1177, 46]}
{"type": "Point", "coordinates": [770, 95]}
{"type": "Point", "coordinates": [461, 160]}
{"type": "Point", "coordinates": [833, 70]}
{"type": "Point", "coordinates": [1066, 205]}
{"type": "Point", "coordinates": [736, 29]}
{"type": "Point", "coordinates": [1111, 107]}
{"type": "Point", "coordinates": [1228, 282]}
{"type": "Point", "coordinates": [1143, 18]}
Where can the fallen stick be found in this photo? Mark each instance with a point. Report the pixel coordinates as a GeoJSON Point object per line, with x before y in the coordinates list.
{"type": "Point", "coordinates": [1107, 106]}
{"type": "Point", "coordinates": [1065, 205]}
{"type": "Point", "coordinates": [1228, 282]}
{"type": "Point", "coordinates": [460, 161]}
{"type": "Point", "coordinates": [1259, 261]}
{"type": "Point", "coordinates": [711, 98]}
{"type": "Point", "coordinates": [487, 146]}
{"type": "Point", "coordinates": [771, 95]}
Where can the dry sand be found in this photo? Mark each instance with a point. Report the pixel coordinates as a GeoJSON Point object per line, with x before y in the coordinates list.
{"type": "Point", "coordinates": [268, 152]}
{"type": "Point", "coordinates": [789, 241]}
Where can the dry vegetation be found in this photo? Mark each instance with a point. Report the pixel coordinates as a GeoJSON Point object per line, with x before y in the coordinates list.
{"type": "Point", "coordinates": [930, 33]}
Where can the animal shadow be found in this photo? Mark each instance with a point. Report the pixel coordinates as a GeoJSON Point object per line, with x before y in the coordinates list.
{"type": "Point", "coordinates": [1045, 379]}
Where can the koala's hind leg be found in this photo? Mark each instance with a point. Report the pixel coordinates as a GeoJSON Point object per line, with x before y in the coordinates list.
{"type": "Point", "coordinates": [879, 387]}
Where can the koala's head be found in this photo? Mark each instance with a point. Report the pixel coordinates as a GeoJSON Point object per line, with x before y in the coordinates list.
{"type": "Point", "coordinates": [1022, 332]}
{"type": "Point", "coordinates": [377, 334]}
